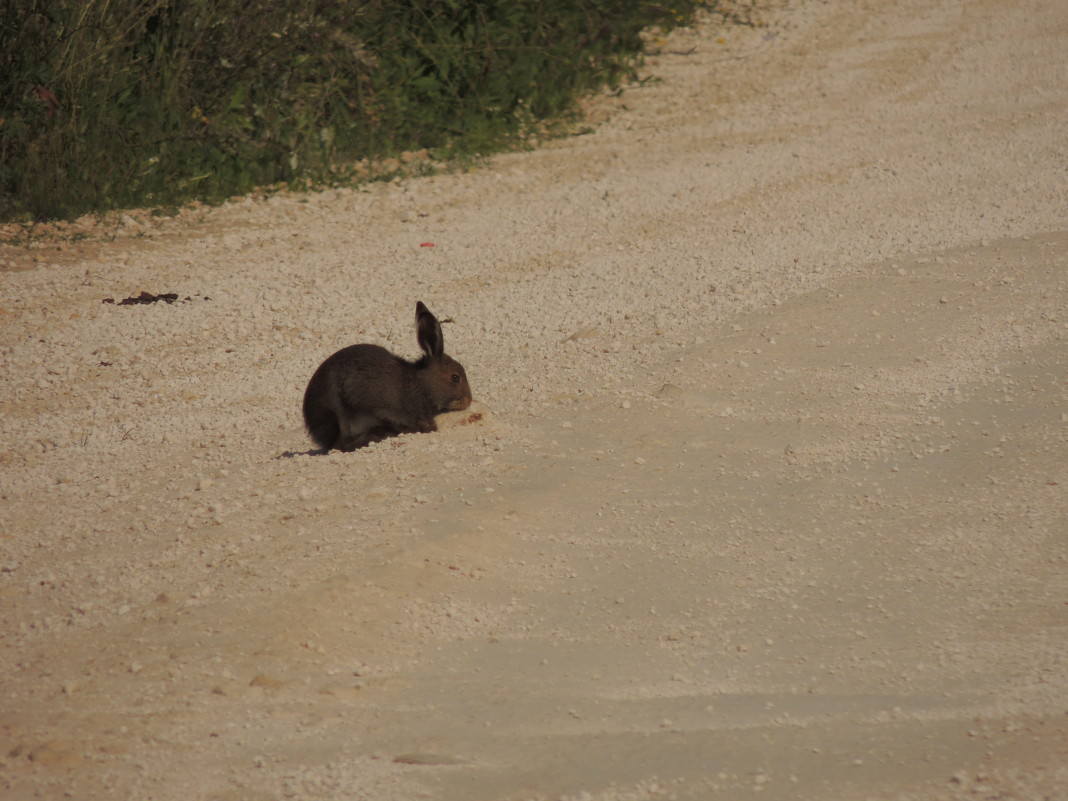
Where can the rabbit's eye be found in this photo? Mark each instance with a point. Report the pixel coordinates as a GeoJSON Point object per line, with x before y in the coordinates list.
{"type": "Point", "coordinates": [456, 378]}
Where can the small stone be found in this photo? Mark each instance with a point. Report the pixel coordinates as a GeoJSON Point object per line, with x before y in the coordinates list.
{"type": "Point", "coordinates": [669, 392]}
{"type": "Point", "coordinates": [57, 753]}
{"type": "Point", "coordinates": [427, 759]}
{"type": "Point", "coordinates": [265, 681]}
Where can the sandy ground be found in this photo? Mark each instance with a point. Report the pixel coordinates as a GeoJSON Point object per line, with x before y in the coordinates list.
{"type": "Point", "coordinates": [768, 498]}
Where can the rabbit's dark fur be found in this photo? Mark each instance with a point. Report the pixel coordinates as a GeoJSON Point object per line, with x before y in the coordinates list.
{"type": "Point", "coordinates": [364, 393]}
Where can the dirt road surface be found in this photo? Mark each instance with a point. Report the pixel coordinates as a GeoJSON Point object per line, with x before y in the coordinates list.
{"type": "Point", "coordinates": [768, 497]}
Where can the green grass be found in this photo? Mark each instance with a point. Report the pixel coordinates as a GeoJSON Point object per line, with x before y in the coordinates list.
{"type": "Point", "coordinates": [119, 103]}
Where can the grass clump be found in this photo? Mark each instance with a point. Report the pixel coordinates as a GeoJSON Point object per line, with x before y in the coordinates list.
{"type": "Point", "coordinates": [118, 103]}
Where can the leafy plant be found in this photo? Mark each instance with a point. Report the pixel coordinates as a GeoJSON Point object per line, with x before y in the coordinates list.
{"type": "Point", "coordinates": [113, 103]}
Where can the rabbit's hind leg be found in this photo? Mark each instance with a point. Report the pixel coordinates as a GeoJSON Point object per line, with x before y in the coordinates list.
{"type": "Point", "coordinates": [359, 430]}
{"type": "Point", "coordinates": [378, 433]}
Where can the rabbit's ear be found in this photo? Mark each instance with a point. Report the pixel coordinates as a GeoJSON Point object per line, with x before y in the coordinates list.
{"type": "Point", "coordinates": [428, 331]}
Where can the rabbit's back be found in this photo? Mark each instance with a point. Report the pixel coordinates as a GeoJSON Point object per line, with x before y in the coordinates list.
{"type": "Point", "coordinates": [349, 390]}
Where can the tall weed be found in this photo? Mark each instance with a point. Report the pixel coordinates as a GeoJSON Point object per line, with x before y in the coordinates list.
{"type": "Point", "coordinates": [112, 103]}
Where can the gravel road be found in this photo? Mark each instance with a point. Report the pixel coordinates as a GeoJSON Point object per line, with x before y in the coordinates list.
{"type": "Point", "coordinates": [762, 494]}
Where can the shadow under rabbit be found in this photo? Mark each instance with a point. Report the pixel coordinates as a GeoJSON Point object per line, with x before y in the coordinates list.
{"type": "Point", "coordinates": [475, 414]}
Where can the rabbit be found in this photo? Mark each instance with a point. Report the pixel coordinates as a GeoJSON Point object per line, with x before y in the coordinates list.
{"type": "Point", "coordinates": [364, 393]}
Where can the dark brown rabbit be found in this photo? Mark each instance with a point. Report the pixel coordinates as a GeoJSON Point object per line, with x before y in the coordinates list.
{"type": "Point", "coordinates": [364, 393]}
